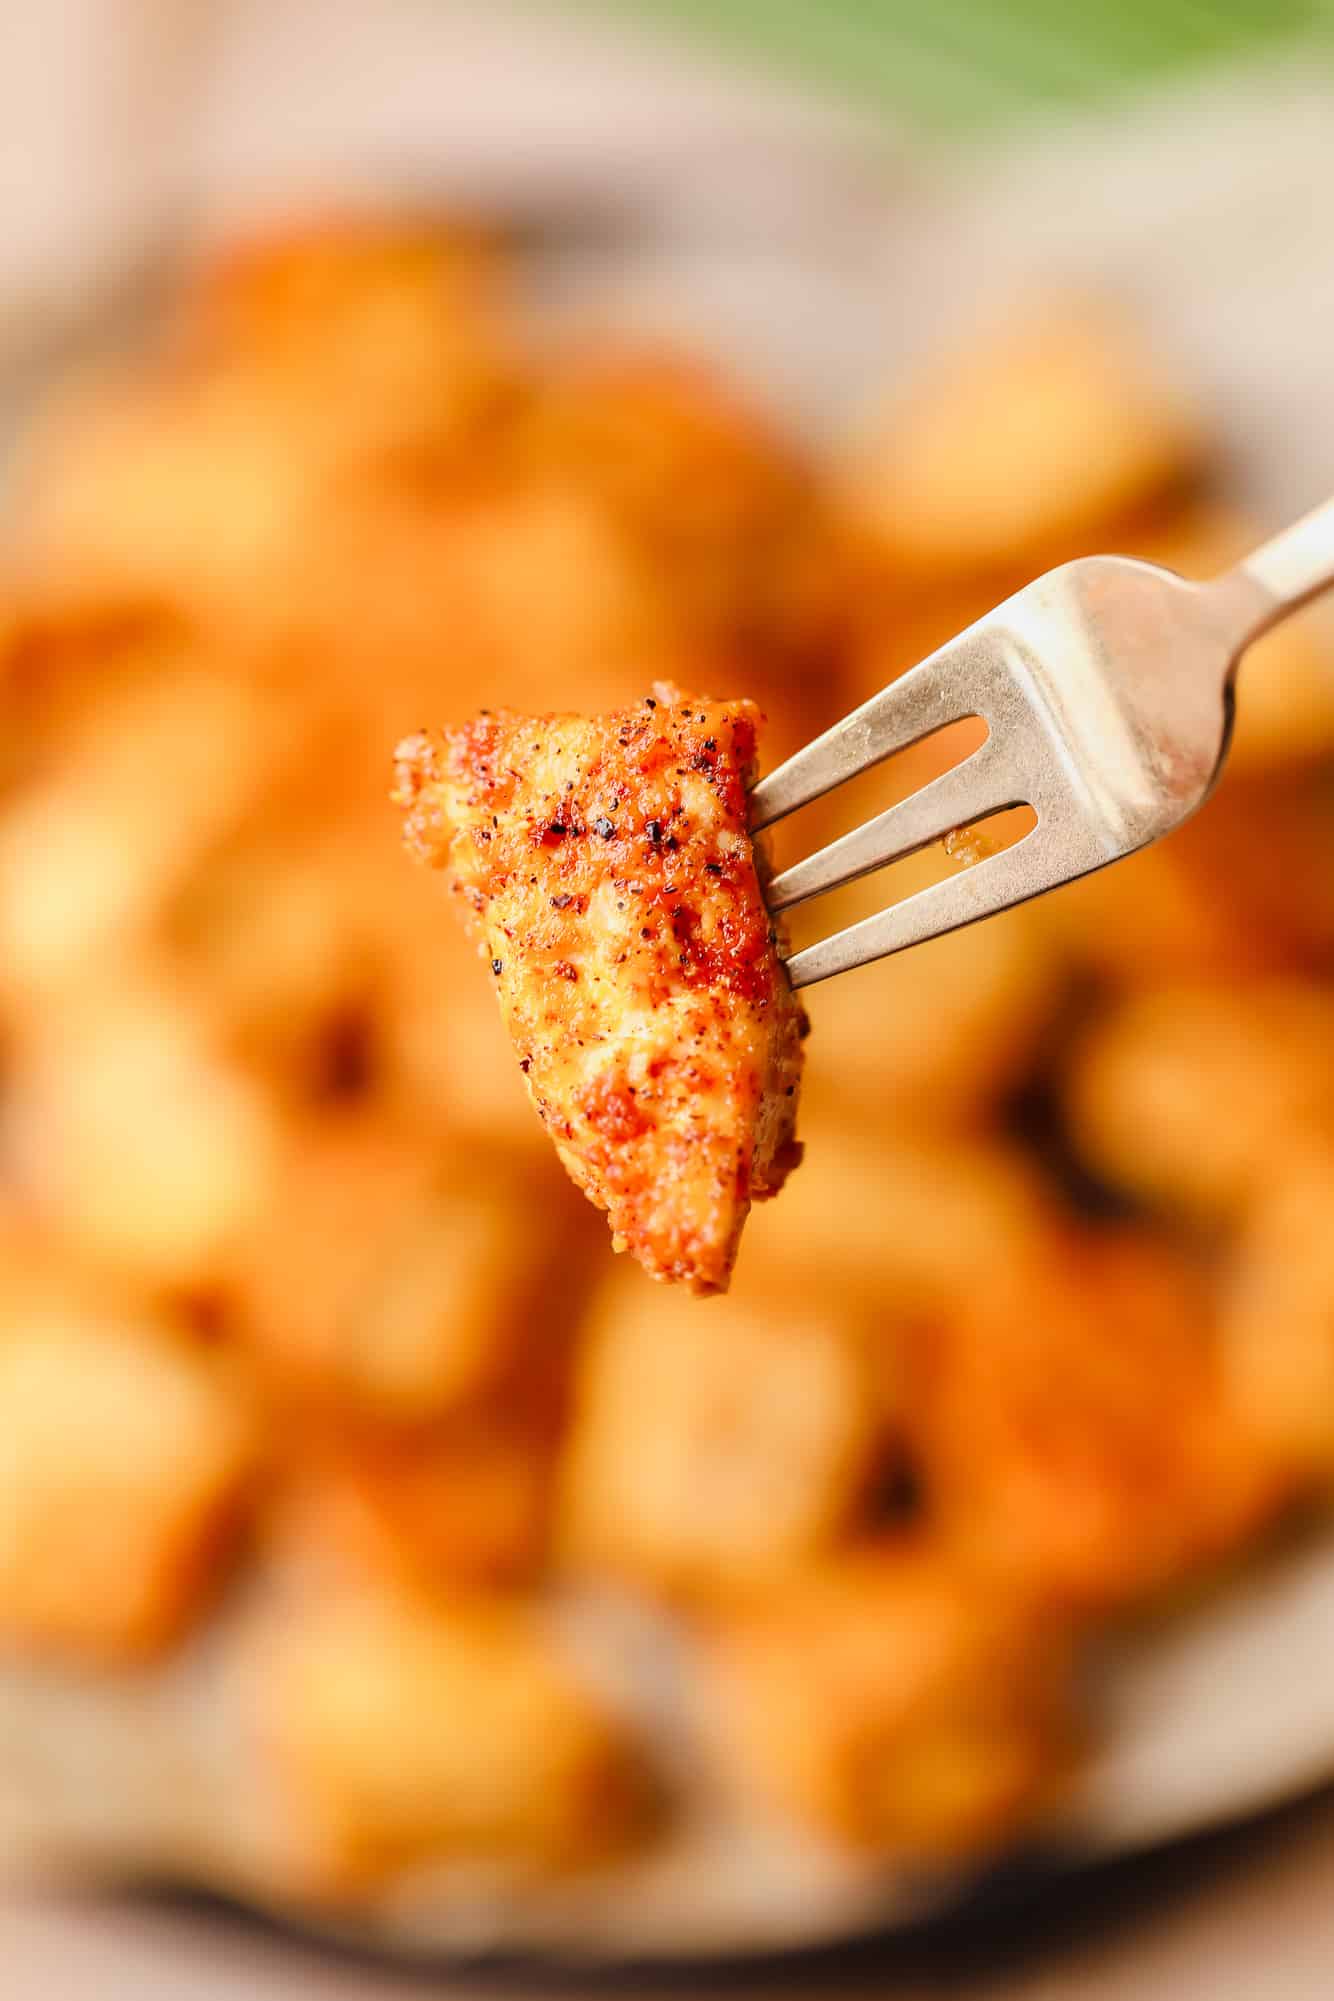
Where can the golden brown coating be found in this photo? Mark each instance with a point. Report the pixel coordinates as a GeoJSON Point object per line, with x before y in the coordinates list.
{"type": "Point", "coordinates": [407, 1733]}
{"type": "Point", "coordinates": [894, 1701]}
{"type": "Point", "coordinates": [608, 868]}
{"type": "Point", "coordinates": [124, 1460]}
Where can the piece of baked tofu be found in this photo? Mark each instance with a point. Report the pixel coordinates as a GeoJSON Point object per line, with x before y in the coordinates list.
{"type": "Point", "coordinates": [608, 867]}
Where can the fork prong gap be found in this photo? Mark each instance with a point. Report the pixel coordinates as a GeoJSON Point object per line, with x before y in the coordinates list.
{"type": "Point", "coordinates": [985, 887]}
{"type": "Point", "coordinates": [964, 793]}
{"type": "Point", "coordinates": [925, 699]}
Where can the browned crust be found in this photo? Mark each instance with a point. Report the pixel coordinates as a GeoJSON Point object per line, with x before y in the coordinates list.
{"type": "Point", "coordinates": [609, 870]}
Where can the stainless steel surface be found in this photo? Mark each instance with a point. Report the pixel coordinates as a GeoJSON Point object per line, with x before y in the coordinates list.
{"type": "Point", "coordinates": [1106, 690]}
{"type": "Point", "coordinates": [1297, 565]}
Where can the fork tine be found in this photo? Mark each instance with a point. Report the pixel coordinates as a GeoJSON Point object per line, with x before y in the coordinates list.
{"type": "Point", "coordinates": [928, 696]}
{"type": "Point", "coordinates": [967, 792]}
{"type": "Point", "coordinates": [1012, 876]}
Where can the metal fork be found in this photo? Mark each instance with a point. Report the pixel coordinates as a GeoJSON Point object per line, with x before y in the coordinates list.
{"type": "Point", "coordinates": [1106, 690]}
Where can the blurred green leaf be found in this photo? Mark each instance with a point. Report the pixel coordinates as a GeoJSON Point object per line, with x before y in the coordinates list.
{"type": "Point", "coordinates": [957, 64]}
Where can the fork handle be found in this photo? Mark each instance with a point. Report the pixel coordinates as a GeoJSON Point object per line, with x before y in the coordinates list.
{"type": "Point", "coordinates": [1286, 572]}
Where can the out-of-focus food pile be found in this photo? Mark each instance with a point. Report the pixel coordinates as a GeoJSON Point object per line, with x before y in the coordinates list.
{"type": "Point", "coordinates": [316, 1375]}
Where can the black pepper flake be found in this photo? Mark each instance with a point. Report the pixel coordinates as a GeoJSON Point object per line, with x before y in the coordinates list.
{"type": "Point", "coordinates": [654, 832]}
{"type": "Point", "coordinates": [645, 931]}
{"type": "Point", "coordinates": [713, 868]}
{"type": "Point", "coordinates": [649, 702]}
{"type": "Point", "coordinates": [710, 743]}
{"type": "Point", "coordinates": [562, 902]}
{"type": "Point", "coordinates": [604, 827]}
{"type": "Point", "coordinates": [526, 1064]}
{"type": "Point", "coordinates": [497, 966]}
{"type": "Point", "coordinates": [672, 843]}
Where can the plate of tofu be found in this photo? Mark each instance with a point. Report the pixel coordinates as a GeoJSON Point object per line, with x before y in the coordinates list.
{"type": "Point", "coordinates": [377, 1547]}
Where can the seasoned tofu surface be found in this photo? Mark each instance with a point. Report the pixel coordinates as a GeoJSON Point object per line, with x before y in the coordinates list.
{"type": "Point", "coordinates": [608, 868]}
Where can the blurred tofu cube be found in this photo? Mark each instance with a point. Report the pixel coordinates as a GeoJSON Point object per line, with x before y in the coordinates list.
{"type": "Point", "coordinates": [892, 1702]}
{"type": "Point", "coordinates": [458, 1506]}
{"type": "Point", "coordinates": [1244, 889]}
{"type": "Point", "coordinates": [713, 1447]}
{"type": "Point", "coordinates": [155, 770]}
{"type": "Point", "coordinates": [398, 1280]}
{"type": "Point", "coordinates": [1278, 1314]}
{"type": "Point", "coordinates": [937, 1037]}
{"type": "Point", "coordinates": [334, 357]}
{"type": "Point", "coordinates": [1010, 452]}
{"type": "Point", "coordinates": [903, 1221]}
{"type": "Point", "coordinates": [124, 1460]}
{"type": "Point", "coordinates": [285, 930]}
{"type": "Point", "coordinates": [1039, 1448]}
{"type": "Point", "coordinates": [1187, 1096]}
{"type": "Point", "coordinates": [731, 520]}
{"type": "Point", "coordinates": [153, 1153]}
{"type": "Point", "coordinates": [402, 1735]}
{"type": "Point", "coordinates": [161, 490]}
{"type": "Point", "coordinates": [381, 334]}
